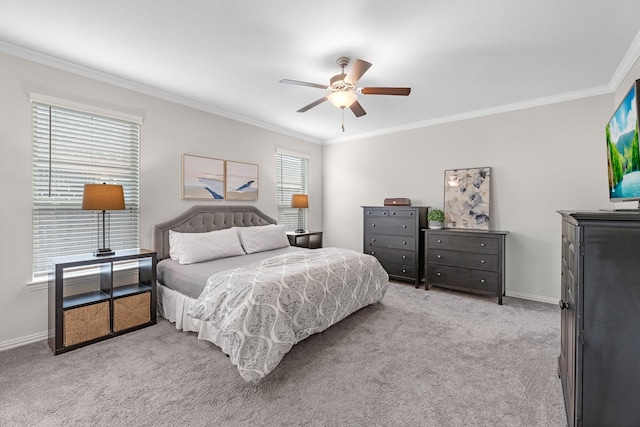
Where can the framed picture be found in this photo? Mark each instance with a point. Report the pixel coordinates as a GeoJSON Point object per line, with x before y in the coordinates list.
{"type": "Point", "coordinates": [202, 178]}
{"type": "Point", "coordinates": [241, 181]}
{"type": "Point", "coordinates": [466, 198]}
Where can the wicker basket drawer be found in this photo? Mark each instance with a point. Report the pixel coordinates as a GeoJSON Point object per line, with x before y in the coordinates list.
{"type": "Point", "coordinates": [86, 323]}
{"type": "Point", "coordinates": [131, 311]}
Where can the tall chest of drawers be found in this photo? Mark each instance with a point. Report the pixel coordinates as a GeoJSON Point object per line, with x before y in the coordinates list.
{"type": "Point", "coordinates": [469, 260]}
{"type": "Point", "coordinates": [393, 234]}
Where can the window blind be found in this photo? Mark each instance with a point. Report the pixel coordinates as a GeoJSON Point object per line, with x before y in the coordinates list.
{"type": "Point", "coordinates": [292, 178]}
{"type": "Point", "coordinates": [72, 148]}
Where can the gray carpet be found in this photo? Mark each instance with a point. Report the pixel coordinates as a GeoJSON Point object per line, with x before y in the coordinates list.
{"type": "Point", "coordinates": [435, 358]}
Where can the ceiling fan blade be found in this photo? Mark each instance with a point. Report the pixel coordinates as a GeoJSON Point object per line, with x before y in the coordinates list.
{"type": "Point", "coordinates": [299, 83]}
{"type": "Point", "coordinates": [359, 68]}
{"type": "Point", "coordinates": [401, 91]}
{"type": "Point", "coordinates": [357, 109]}
{"type": "Point", "coordinates": [313, 104]}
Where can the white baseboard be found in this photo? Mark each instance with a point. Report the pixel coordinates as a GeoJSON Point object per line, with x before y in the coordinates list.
{"type": "Point", "coordinates": [29, 339]}
{"type": "Point", "coordinates": [42, 336]}
{"type": "Point", "coordinates": [532, 297]}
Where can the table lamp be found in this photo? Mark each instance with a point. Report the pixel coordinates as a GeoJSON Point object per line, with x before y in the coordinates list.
{"type": "Point", "coordinates": [300, 201]}
{"type": "Point", "coordinates": [103, 197]}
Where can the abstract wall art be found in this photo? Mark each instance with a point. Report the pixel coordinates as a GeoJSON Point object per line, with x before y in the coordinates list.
{"type": "Point", "coordinates": [241, 181]}
{"type": "Point", "coordinates": [466, 198]}
{"type": "Point", "coordinates": [202, 178]}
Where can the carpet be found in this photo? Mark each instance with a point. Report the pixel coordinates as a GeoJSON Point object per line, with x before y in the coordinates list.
{"type": "Point", "coordinates": [436, 358]}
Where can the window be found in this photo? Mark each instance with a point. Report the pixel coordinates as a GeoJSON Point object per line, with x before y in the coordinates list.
{"type": "Point", "coordinates": [72, 148]}
{"type": "Point", "coordinates": [292, 176]}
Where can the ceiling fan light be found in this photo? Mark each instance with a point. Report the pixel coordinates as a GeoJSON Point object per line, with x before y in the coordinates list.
{"type": "Point", "coordinates": [342, 99]}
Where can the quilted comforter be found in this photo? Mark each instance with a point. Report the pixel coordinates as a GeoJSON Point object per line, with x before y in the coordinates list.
{"type": "Point", "coordinates": [263, 309]}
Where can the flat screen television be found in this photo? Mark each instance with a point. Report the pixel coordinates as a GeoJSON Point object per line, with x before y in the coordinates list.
{"type": "Point", "coordinates": [623, 153]}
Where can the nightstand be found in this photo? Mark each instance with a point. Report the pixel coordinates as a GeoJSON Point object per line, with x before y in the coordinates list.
{"type": "Point", "coordinates": [308, 239]}
{"type": "Point", "coordinates": [95, 298]}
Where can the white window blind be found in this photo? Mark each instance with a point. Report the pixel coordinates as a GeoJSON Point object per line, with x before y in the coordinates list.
{"type": "Point", "coordinates": [72, 148]}
{"type": "Point", "coordinates": [292, 175]}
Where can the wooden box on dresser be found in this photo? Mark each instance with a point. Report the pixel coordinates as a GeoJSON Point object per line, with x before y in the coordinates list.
{"type": "Point", "coordinates": [393, 234]}
{"type": "Point", "coordinates": [469, 260]}
{"type": "Point", "coordinates": [600, 318]}
{"type": "Point", "coordinates": [86, 304]}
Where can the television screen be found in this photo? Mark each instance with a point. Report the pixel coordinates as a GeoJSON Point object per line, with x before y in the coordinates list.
{"type": "Point", "coordinates": [623, 153]}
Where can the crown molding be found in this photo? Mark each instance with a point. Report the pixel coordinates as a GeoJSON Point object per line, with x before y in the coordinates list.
{"type": "Point", "coordinates": [539, 102]}
{"type": "Point", "coordinates": [628, 61]}
{"type": "Point", "coordinates": [91, 73]}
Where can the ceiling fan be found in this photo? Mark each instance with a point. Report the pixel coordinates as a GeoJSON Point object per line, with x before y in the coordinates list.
{"type": "Point", "coordinates": [342, 90]}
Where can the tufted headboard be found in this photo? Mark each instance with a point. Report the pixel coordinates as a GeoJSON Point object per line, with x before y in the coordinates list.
{"type": "Point", "coordinates": [203, 218]}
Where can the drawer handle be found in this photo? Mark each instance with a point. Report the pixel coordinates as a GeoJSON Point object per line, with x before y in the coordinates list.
{"type": "Point", "coordinates": [404, 226]}
{"type": "Point", "coordinates": [482, 281]}
{"type": "Point", "coordinates": [404, 271]}
{"type": "Point", "coordinates": [373, 225]}
{"type": "Point", "coordinates": [438, 274]}
{"type": "Point", "coordinates": [393, 213]}
{"type": "Point", "coordinates": [373, 252]}
{"type": "Point", "coordinates": [404, 257]}
{"type": "Point", "coordinates": [404, 243]}
{"type": "Point", "coordinates": [410, 213]}
{"type": "Point", "coordinates": [439, 256]}
{"type": "Point", "coordinates": [482, 261]}
{"type": "Point", "coordinates": [439, 241]}
{"type": "Point", "coordinates": [483, 245]}
{"type": "Point", "coordinates": [373, 240]}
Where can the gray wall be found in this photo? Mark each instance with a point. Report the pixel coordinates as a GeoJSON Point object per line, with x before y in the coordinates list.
{"type": "Point", "coordinates": [543, 159]}
{"type": "Point", "coordinates": [168, 131]}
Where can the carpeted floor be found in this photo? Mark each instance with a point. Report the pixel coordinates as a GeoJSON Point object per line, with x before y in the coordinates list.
{"type": "Point", "coordinates": [436, 358]}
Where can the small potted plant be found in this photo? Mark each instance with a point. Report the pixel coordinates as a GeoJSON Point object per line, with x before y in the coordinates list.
{"type": "Point", "coordinates": [435, 218]}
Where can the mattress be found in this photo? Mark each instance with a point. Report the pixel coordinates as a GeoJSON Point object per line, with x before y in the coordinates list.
{"type": "Point", "coordinates": [190, 279]}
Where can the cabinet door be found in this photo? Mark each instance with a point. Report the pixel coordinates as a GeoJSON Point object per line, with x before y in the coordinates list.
{"type": "Point", "coordinates": [567, 360]}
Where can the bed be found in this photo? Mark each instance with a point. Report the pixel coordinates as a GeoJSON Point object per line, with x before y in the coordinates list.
{"type": "Point", "coordinates": [228, 274]}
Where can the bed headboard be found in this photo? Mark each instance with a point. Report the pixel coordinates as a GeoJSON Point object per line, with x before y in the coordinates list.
{"type": "Point", "coordinates": [203, 218]}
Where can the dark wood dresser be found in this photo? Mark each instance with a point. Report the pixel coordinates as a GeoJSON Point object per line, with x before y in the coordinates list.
{"type": "Point", "coordinates": [469, 260]}
{"type": "Point", "coordinates": [600, 318]}
{"type": "Point", "coordinates": [393, 235]}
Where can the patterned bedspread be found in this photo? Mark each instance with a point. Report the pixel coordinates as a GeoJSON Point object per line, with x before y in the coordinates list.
{"type": "Point", "coordinates": [263, 309]}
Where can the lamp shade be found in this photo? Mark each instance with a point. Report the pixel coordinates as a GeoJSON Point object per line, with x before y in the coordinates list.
{"type": "Point", "coordinates": [103, 197]}
{"type": "Point", "coordinates": [342, 98]}
{"type": "Point", "coordinates": [300, 201]}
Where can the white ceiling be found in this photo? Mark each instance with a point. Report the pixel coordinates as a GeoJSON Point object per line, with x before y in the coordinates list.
{"type": "Point", "coordinates": [460, 57]}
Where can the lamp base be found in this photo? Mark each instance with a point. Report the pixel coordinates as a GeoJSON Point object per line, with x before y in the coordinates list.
{"type": "Point", "coordinates": [104, 252]}
{"type": "Point", "coordinates": [300, 230]}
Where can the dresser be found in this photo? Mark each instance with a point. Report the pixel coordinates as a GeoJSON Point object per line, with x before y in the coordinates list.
{"type": "Point", "coordinates": [600, 318]}
{"type": "Point", "coordinates": [393, 235]}
{"type": "Point", "coordinates": [468, 260]}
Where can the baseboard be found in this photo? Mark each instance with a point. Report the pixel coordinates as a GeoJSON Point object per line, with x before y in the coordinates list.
{"type": "Point", "coordinates": [42, 336]}
{"type": "Point", "coordinates": [532, 297]}
{"type": "Point", "coordinates": [29, 339]}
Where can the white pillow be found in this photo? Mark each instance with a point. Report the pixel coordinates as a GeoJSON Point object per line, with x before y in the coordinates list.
{"type": "Point", "coordinates": [262, 238]}
{"type": "Point", "coordinates": [189, 248]}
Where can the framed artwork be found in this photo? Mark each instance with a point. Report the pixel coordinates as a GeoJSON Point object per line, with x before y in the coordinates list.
{"type": "Point", "coordinates": [466, 198]}
{"type": "Point", "coordinates": [202, 178]}
{"type": "Point", "coordinates": [241, 181]}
